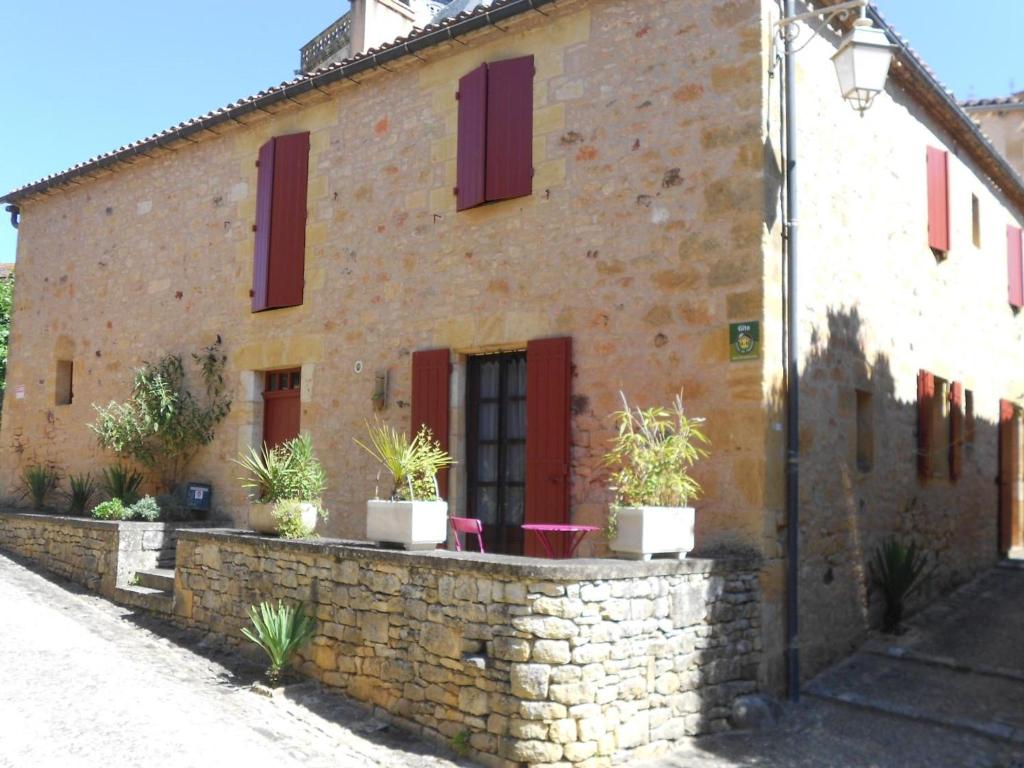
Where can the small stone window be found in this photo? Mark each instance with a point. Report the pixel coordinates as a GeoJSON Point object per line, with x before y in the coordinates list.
{"type": "Point", "coordinates": [969, 425]}
{"type": "Point", "coordinates": [65, 377]}
{"type": "Point", "coordinates": [976, 221]}
{"type": "Point", "coordinates": [940, 430]}
{"type": "Point", "coordinates": [865, 431]}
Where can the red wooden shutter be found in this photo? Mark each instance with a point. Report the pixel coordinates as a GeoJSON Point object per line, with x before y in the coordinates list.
{"type": "Point", "coordinates": [938, 199]}
{"type": "Point", "coordinates": [510, 128]}
{"type": "Point", "coordinates": [264, 197]}
{"type": "Point", "coordinates": [1014, 266]}
{"type": "Point", "coordinates": [1007, 475]}
{"type": "Point", "coordinates": [925, 403]}
{"type": "Point", "coordinates": [288, 221]}
{"type": "Point", "coordinates": [430, 404]}
{"type": "Point", "coordinates": [956, 429]}
{"type": "Point", "coordinates": [472, 146]}
{"type": "Point", "coordinates": [548, 391]}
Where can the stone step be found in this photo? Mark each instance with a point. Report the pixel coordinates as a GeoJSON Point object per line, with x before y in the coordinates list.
{"type": "Point", "coordinates": [150, 599]}
{"type": "Point", "coordinates": [968, 701]}
{"type": "Point", "coordinates": [156, 578]}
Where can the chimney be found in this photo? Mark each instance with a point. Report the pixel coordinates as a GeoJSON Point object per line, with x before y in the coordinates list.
{"type": "Point", "coordinates": [376, 22]}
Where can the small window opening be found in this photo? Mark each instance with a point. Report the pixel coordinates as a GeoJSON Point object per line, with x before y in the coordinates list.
{"type": "Point", "coordinates": [940, 418]}
{"type": "Point", "coordinates": [65, 374]}
{"type": "Point", "coordinates": [969, 428]}
{"type": "Point", "coordinates": [976, 221]}
{"type": "Point", "coordinates": [865, 431]}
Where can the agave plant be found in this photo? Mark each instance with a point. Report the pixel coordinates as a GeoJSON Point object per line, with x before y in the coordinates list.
{"type": "Point", "coordinates": [280, 631]}
{"type": "Point", "coordinates": [290, 471]}
{"type": "Point", "coordinates": [122, 482]}
{"type": "Point", "coordinates": [413, 464]}
{"type": "Point", "coordinates": [897, 571]}
{"type": "Point", "coordinates": [83, 488]}
{"type": "Point", "coordinates": [37, 481]}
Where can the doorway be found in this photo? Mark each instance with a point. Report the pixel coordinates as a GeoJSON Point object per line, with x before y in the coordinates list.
{"type": "Point", "coordinates": [281, 406]}
{"type": "Point", "coordinates": [496, 448]}
{"type": "Point", "coordinates": [1011, 481]}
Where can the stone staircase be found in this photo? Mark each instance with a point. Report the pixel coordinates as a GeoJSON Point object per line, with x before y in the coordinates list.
{"type": "Point", "coordinates": [153, 591]}
{"type": "Point", "coordinates": [959, 665]}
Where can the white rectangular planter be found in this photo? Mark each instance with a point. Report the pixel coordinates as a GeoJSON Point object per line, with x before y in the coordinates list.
{"type": "Point", "coordinates": [645, 531]}
{"type": "Point", "coordinates": [413, 524]}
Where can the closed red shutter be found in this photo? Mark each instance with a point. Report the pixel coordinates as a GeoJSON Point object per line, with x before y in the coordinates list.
{"type": "Point", "coordinates": [264, 197]}
{"type": "Point", "coordinates": [1014, 266]}
{"type": "Point", "coordinates": [956, 429]}
{"type": "Point", "coordinates": [430, 403]}
{"type": "Point", "coordinates": [925, 403]}
{"type": "Point", "coordinates": [1007, 475]}
{"type": "Point", "coordinates": [288, 226]}
{"type": "Point", "coordinates": [548, 392]}
{"type": "Point", "coordinates": [510, 128]}
{"type": "Point", "coordinates": [938, 199]}
{"type": "Point", "coordinates": [472, 141]}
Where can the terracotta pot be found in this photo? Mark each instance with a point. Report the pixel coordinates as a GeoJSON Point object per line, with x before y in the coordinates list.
{"type": "Point", "coordinates": [262, 520]}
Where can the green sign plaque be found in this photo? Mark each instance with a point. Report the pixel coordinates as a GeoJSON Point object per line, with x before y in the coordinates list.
{"type": "Point", "coordinates": [745, 341]}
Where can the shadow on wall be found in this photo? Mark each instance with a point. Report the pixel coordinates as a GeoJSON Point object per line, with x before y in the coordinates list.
{"type": "Point", "coordinates": [859, 485]}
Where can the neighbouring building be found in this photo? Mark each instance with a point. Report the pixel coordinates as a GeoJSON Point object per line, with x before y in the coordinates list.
{"type": "Point", "coordinates": [496, 223]}
{"type": "Point", "coordinates": [1002, 120]}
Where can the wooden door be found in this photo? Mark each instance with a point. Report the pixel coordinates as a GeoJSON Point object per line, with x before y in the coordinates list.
{"type": "Point", "coordinates": [1011, 479]}
{"type": "Point", "coordinates": [281, 406]}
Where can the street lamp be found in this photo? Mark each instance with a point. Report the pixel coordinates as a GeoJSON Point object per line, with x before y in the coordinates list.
{"type": "Point", "coordinates": [862, 64]}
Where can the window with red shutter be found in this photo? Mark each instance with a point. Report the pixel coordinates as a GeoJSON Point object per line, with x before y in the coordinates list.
{"type": "Point", "coordinates": [548, 445]}
{"type": "Point", "coordinates": [925, 400]}
{"type": "Point", "coordinates": [938, 199]}
{"type": "Point", "coordinates": [956, 429]}
{"type": "Point", "coordinates": [495, 140]}
{"type": "Point", "coordinates": [1014, 267]}
{"type": "Point", "coordinates": [1008, 472]}
{"type": "Point", "coordinates": [279, 255]}
{"type": "Point", "coordinates": [430, 400]}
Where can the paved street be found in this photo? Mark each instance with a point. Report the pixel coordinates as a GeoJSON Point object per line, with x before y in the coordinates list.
{"type": "Point", "coordinates": [84, 686]}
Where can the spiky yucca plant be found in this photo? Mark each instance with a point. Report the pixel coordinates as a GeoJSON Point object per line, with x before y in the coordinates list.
{"type": "Point", "coordinates": [37, 481]}
{"type": "Point", "coordinates": [413, 464]}
{"type": "Point", "coordinates": [122, 483]}
{"type": "Point", "coordinates": [83, 488]}
{"type": "Point", "coordinates": [897, 570]}
{"type": "Point", "coordinates": [280, 631]}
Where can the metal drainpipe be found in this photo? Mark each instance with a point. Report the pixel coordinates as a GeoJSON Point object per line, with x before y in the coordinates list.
{"type": "Point", "coordinates": [792, 379]}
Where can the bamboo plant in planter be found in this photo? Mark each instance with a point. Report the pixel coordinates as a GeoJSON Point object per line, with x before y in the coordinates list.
{"type": "Point", "coordinates": [415, 516]}
{"type": "Point", "coordinates": [651, 458]}
{"type": "Point", "coordinates": [286, 484]}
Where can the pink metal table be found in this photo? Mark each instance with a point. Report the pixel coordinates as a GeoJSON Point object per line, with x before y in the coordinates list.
{"type": "Point", "coordinates": [573, 536]}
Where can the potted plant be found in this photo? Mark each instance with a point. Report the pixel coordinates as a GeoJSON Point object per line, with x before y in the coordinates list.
{"type": "Point", "coordinates": [651, 457]}
{"type": "Point", "coordinates": [285, 482]}
{"type": "Point", "coordinates": [414, 516]}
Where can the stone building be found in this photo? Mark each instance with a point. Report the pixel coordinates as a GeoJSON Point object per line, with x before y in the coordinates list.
{"type": "Point", "coordinates": [600, 235]}
{"type": "Point", "coordinates": [1002, 120]}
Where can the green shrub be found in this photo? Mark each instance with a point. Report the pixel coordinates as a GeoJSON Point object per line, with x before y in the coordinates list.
{"type": "Point", "coordinates": [83, 488]}
{"type": "Point", "coordinates": [280, 631]}
{"type": "Point", "coordinates": [897, 571]}
{"type": "Point", "coordinates": [37, 481]}
{"type": "Point", "coordinates": [122, 483]}
{"type": "Point", "coordinates": [651, 457]}
{"type": "Point", "coordinates": [145, 508]}
{"type": "Point", "coordinates": [110, 510]}
{"type": "Point", "coordinates": [163, 424]}
{"type": "Point", "coordinates": [413, 464]}
{"type": "Point", "coordinates": [290, 471]}
{"type": "Point", "coordinates": [288, 514]}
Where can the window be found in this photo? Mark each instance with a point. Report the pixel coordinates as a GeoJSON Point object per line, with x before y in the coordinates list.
{"type": "Point", "coordinates": [941, 426]}
{"type": "Point", "coordinates": [282, 407]}
{"type": "Point", "coordinates": [865, 431]}
{"type": "Point", "coordinates": [496, 448]}
{"type": "Point", "coordinates": [969, 425]}
{"type": "Point", "coordinates": [65, 382]}
{"type": "Point", "coordinates": [938, 200]}
{"type": "Point", "coordinates": [1014, 267]}
{"type": "Point", "coordinates": [975, 221]}
{"type": "Point", "coordinates": [940, 430]}
{"type": "Point", "coordinates": [495, 141]}
{"type": "Point", "coordinates": [279, 256]}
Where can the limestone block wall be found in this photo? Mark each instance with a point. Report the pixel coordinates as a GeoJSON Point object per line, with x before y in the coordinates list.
{"type": "Point", "coordinates": [83, 551]}
{"type": "Point", "coordinates": [581, 663]}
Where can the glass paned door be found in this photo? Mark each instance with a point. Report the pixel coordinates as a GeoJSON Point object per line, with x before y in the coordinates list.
{"type": "Point", "coordinates": [496, 448]}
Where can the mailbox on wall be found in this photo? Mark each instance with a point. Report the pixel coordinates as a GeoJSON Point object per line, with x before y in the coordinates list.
{"type": "Point", "coordinates": [197, 497]}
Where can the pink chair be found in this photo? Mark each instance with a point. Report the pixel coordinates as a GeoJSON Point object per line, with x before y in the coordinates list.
{"type": "Point", "coordinates": [467, 525]}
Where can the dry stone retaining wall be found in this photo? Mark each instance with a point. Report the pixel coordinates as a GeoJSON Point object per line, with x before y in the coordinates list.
{"type": "Point", "coordinates": [580, 663]}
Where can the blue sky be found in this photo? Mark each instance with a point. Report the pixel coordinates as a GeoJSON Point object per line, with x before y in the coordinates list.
{"type": "Point", "coordinates": [82, 78]}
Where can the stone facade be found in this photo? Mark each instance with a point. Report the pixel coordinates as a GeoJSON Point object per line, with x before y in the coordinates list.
{"type": "Point", "coordinates": [581, 663]}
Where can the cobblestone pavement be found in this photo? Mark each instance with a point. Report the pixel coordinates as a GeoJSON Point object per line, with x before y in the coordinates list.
{"type": "Point", "coordinates": [86, 684]}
